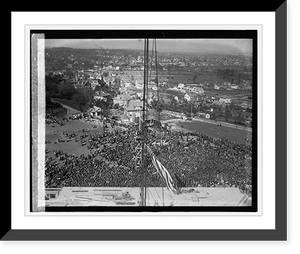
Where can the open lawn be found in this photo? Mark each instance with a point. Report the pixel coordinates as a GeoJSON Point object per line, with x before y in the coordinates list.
{"type": "Point", "coordinates": [216, 131]}
{"type": "Point", "coordinates": [71, 127]}
{"type": "Point", "coordinates": [213, 92]}
{"type": "Point", "coordinates": [175, 77]}
{"type": "Point", "coordinates": [54, 132]}
{"type": "Point", "coordinates": [188, 77]}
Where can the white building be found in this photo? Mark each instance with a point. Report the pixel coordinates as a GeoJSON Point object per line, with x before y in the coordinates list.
{"type": "Point", "coordinates": [198, 90]}
{"type": "Point", "coordinates": [187, 97]}
{"type": "Point", "coordinates": [226, 100]}
{"type": "Point", "coordinates": [204, 115]}
{"type": "Point", "coordinates": [94, 111]}
{"type": "Point", "coordinates": [216, 87]}
{"type": "Point", "coordinates": [181, 86]}
{"type": "Point", "coordinates": [134, 110]}
{"type": "Point", "coordinates": [154, 88]}
{"type": "Point", "coordinates": [138, 85]}
{"type": "Point", "coordinates": [122, 99]}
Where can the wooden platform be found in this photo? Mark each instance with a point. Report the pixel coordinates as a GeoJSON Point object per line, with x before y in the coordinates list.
{"type": "Point", "coordinates": [109, 196]}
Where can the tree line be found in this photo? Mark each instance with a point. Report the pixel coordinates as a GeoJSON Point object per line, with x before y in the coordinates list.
{"type": "Point", "coordinates": [57, 88]}
{"type": "Point", "coordinates": [234, 75]}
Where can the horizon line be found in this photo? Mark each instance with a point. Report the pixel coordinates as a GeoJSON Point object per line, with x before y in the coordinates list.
{"type": "Point", "coordinates": [163, 52]}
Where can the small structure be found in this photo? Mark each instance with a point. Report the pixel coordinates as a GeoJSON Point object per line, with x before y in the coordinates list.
{"type": "Point", "coordinates": [216, 87]}
{"type": "Point", "coordinates": [153, 118]}
{"type": "Point", "coordinates": [124, 119]}
{"type": "Point", "coordinates": [134, 110]}
{"type": "Point", "coordinates": [181, 86]}
{"type": "Point", "coordinates": [187, 97]}
{"type": "Point", "coordinates": [247, 118]}
{"type": "Point", "coordinates": [99, 95]}
{"type": "Point", "coordinates": [94, 112]}
{"type": "Point", "coordinates": [226, 100]}
{"type": "Point", "coordinates": [203, 115]}
{"type": "Point", "coordinates": [122, 100]}
{"type": "Point", "coordinates": [220, 104]}
{"type": "Point", "coordinates": [246, 104]}
{"type": "Point", "coordinates": [198, 90]}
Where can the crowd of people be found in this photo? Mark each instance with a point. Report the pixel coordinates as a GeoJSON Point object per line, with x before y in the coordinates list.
{"type": "Point", "coordinates": [50, 119]}
{"type": "Point", "coordinates": [200, 160]}
{"type": "Point", "coordinates": [192, 159]}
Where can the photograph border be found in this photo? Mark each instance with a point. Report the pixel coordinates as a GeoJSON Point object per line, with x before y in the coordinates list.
{"type": "Point", "coordinates": [169, 34]}
{"type": "Point", "coordinates": [277, 234]}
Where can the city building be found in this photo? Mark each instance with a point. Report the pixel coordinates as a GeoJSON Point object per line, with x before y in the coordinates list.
{"type": "Point", "coordinates": [225, 100]}
{"type": "Point", "coordinates": [94, 111]}
{"type": "Point", "coordinates": [94, 83]}
{"type": "Point", "coordinates": [220, 104]}
{"type": "Point", "coordinates": [198, 90]}
{"type": "Point", "coordinates": [152, 118]}
{"type": "Point", "coordinates": [99, 95]}
{"type": "Point", "coordinates": [138, 85]}
{"type": "Point", "coordinates": [122, 100]}
{"type": "Point", "coordinates": [124, 119]}
{"type": "Point", "coordinates": [246, 104]}
{"type": "Point", "coordinates": [247, 116]}
{"type": "Point", "coordinates": [181, 86]}
{"type": "Point", "coordinates": [204, 115]}
{"type": "Point", "coordinates": [134, 110]}
{"type": "Point", "coordinates": [187, 97]}
{"type": "Point", "coordinates": [216, 87]}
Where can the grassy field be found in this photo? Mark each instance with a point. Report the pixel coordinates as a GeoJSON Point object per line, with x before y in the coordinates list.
{"type": "Point", "coordinates": [175, 77]}
{"type": "Point", "coordinates": [71, 147]}
{"type": "Point", "coordinates": [237, 96]}
{"type": "Point", "coordinates": [188, 77]}
{"type": "Point", "coordinates": [228, 92]}
{"type": "Point", "coordinates": [216, 131]}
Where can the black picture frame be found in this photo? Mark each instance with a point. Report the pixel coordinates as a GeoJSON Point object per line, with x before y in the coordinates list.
{"type": "Point", "coordinates": [277, 234]}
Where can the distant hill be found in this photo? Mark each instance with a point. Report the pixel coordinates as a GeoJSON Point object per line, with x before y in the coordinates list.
{"type": "Point", "coordinates": [92, 50]}
{"type": "Point", "coordinates": [217, 46]}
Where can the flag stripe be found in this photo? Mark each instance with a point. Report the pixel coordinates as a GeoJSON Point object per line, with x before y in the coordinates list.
{"type": "Point", "coordinates": [162, 171]}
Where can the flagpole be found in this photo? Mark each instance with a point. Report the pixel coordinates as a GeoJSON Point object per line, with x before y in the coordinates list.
{"type": "Point", "coordinates": [158, 109]}
{"type": "Point", "coordinates": [143, 125]}
{"type": "Point", "coordinates": [143, 130]}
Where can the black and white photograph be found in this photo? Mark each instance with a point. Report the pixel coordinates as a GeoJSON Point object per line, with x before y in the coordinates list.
{"type": "Point", "coordinates": [159, 120]}
{"type": "Point", "coordinates": [149, 126]}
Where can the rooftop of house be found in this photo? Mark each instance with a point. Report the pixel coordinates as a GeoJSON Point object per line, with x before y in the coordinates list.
{"type": "Point", "coordinates": [123, 97]}
{"type": "Point", "coordinates": [101, 93]}
{"type": "Point", "coordinates": [248, 103]}
{"type": "Point", "coordinates": [152, 114]}
{"type": "Point", "coordinates": [134, 105]}
{"type": "Point", "coordinates": [218, 103]}
{"type": "Point", "coordinates": [94, 109]}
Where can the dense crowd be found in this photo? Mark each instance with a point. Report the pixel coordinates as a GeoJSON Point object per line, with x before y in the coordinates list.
{"type": "Point", "coordinates": [200, 160]}
{"type": "Point", "coordinates": [193, 159]}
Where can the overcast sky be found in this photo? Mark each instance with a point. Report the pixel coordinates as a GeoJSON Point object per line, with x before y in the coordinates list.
{"type": "Point", "coordinates": [230, 46]}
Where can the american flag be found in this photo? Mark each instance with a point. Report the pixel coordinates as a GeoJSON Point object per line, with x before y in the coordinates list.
{"type": "Point", "coordinates": [162, 171]}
